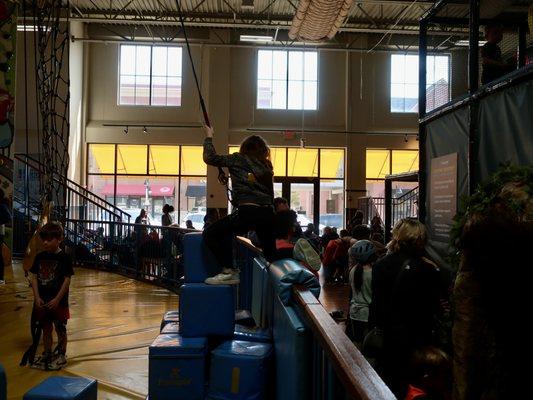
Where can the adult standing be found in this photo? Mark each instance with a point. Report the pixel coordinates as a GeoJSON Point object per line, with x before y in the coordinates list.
{"type": "Point", "coordinates": [406, 289]}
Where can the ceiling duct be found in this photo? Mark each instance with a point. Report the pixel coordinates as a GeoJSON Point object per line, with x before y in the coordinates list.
{"type": "Point", "coordinates": [317, 20]}
{"type": "Point", "coordinates": [247, 5]}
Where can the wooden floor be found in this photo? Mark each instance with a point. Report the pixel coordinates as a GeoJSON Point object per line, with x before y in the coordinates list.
{"type": "Point", "coordinates": [113, 321]}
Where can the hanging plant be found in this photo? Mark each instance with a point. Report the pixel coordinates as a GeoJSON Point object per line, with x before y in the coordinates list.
{"type": "Point", "coordinates": [508, 191]}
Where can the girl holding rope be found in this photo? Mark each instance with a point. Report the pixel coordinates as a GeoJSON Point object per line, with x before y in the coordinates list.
{"type": "Point", "coordinates": [252, 192]}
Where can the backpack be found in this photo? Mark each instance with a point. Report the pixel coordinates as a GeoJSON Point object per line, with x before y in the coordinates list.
{"type": "Point", "coordinates": [303, 251]}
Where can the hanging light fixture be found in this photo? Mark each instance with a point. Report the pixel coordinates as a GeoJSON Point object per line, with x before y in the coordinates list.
{"type": "Point", "coordinates": [126, 130]}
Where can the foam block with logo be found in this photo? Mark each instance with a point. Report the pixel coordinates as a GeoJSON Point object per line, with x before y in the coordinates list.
{"type": "Point", "coordinates": [176, 368]}
{"type": "Point", "coordinates": [252, 334]}
{"type": "Point", "coordinates": [240, 370]}
{"type": "Point", "coordinates": [169, 317]}
{"type": "Point", "coordinates": [198, 261]}
{"type": "Point", "coordinates": [207, 310]}
{"type": "Point", "coordinates": [64, 387]}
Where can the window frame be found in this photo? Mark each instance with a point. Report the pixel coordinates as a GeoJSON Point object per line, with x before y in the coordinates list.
{"type": "Point", "coordinates": [151, 77]}
{"type": "Point", "coordinates": [287, 80]}
{"type": "Point", "coordinates": [115, 175]}
{"type": "Point", "coordinates": [447, 55]}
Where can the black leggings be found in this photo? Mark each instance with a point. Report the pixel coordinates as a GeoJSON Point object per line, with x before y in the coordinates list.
{"type": "Point", "coordinates": [219, 235]}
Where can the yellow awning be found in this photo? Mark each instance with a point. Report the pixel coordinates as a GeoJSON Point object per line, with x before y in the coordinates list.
{"type": "Point", "coordinates": [102, 158]}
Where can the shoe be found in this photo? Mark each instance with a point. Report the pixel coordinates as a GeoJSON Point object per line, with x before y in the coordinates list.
{"type": "Point", "coordinates": [228, 276]}
{"type": "Point", "coordinates": [2, 282]}
{"type": "Point", "coordinates": [61, 360]}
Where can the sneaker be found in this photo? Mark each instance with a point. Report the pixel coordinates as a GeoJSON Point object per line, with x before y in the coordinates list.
{"type": "Point", "coordinates": [226, 277]}
{"type": "Point", "coordinates": [2, 282]}
{"type": "Point", "coordinates": [61, 360]}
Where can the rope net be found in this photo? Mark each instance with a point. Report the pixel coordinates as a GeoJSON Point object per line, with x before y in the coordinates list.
{"type": "Point", "coordinates": [51, 46]}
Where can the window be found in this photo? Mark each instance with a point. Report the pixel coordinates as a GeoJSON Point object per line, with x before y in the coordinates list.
{"type": "Point", "coordinates": [150, 75]}
{"type": "Point", "coordinates": [404, 82]}
{"type": "Point", "coordinates": [150, 176]}
{"type": "Point", "coordinates": [383, 162]}
{"type": "Point", "coordinates": [287, 80]}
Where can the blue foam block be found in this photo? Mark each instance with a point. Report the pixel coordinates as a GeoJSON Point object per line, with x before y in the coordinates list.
{"type": "Point", "coordinates": [207, 310]}
{"type": "Point", "coordinates": [252, 334]}
{"type": "Point", "coordinates": [170, 316]}
{"type": "Point", "coordinates": [176, 368]}
{"type": "Point", "coordinates": [171, 327]}
{"type": "Point", "coordinates": [3, 383]}
{"type": "Point", "coordinates": [64, 387]}
{"type": "Point", "coordinates": [240, 370]}
{"type": "Point", "coordinates": [198, 261]}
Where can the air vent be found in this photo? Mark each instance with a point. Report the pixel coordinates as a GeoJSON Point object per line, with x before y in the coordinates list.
{"type": "Point", "coordinates": [247, 5]}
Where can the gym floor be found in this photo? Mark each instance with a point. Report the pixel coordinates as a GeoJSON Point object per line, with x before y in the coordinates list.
{"type": "Point", "coordinates": [114, 320]}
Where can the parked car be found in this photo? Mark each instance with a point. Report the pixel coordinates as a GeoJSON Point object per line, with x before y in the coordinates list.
{"type": "Point", "coordinates": [332, 220]}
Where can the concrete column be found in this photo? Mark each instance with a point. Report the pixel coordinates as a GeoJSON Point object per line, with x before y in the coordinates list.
{"type": "Point", "coordinates": [77, 107]}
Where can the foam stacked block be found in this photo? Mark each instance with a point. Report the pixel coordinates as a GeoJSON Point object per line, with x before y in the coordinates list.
{"type": "Point", "coordinates": [240, 370]}
{"type": "Point", "coordinates": [3, 383]}
{"type": "Point", "coordinates": [170, 317]}
{"type": "Point", "coordinates": [176, 368]}
{"type": "Point", "coordinates": [198, 261]}
{"type": "Point", "coordinates": [254, 334]}
{"type": "Point", "coordinates": [207, 310]}
{"type": "Point", "coordinates": [64, 387]}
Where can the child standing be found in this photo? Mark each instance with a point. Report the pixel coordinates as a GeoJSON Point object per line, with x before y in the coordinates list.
{"type": "Point", "coordinates": [430, 375]}
{"type": "Point", "coordinates": [362, 256]}
{"type": "Point", "coordinates": [50, 281]}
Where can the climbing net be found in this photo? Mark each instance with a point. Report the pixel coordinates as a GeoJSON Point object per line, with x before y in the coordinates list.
{"type": "Point", "coordinates": [51, 47]}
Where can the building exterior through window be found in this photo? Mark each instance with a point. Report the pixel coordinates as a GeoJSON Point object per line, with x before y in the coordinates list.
{"type": "Point", "coordinates": [135, 177]}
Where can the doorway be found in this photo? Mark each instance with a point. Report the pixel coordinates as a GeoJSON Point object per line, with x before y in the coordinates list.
{"type": "Point", "coordinates": [303, 196]}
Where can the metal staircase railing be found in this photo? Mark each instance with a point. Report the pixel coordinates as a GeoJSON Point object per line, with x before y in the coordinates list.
{"type": "Point", "coordinates": [81, 203]}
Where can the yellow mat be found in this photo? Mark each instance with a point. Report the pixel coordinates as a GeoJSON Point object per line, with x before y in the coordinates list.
{"type": "Point", "coordinates": [113, 320]}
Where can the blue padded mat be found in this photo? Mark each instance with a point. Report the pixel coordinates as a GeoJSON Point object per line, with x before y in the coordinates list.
{"type": "Point", "coordinates": [3, 383]}
{"type": "Point", "coordinates": [64, 387]}
{"type": "Point", "coordinates": [198, 261]}
{"type": "Point", "coordinates": [176, 368]}
{"type": "Point", "coordinates": [286, 273]}
{"type": "Point", "coordinates": [240, 370]}
{"type": "Point", "coordinates": [207, 310]}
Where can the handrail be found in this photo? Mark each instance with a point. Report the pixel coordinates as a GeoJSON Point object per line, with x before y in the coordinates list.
{"type": "Point", "coordinates": [406, 194]}
{"type": "Point", "coordinates": [133, 224]}
{"type": "Point", "coordinates": [19, 156]}
{"type": "Point", "coordinates": [357, 375]}
{"type": "Point", "coordinates": [83, 196]}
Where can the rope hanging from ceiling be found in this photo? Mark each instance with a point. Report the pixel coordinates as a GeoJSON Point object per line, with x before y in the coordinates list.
{"type": "Point", "coordinates": [317, 20]}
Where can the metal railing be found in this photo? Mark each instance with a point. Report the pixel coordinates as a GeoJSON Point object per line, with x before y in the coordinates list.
{"type": "Point", "coordinates": [371, 206]}
{"type": "Point", "coordinates": [338, 370]}
{"type": "Point", "coordinates": [80, 202]}
{"type": "Point", "coordinates": [405, 206]}
{"type": "Point", "coordinates": [143, 252]}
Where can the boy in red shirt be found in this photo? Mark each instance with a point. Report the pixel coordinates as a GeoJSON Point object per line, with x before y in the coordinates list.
{"type": "Point", "coordinates": [50, 281]}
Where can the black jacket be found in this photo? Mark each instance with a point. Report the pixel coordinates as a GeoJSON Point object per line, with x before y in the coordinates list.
{"type": "Point", "coordinates": [405, 299]}
{"type": "Point", "coordinates": [251, 180]}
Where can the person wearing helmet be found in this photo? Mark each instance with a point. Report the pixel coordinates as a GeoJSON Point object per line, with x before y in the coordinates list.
{"type": "Point", "coordinates": [362, 256]}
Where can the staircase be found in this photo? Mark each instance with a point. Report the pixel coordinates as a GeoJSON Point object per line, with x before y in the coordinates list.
{"type": "Point", "coordinates": [79, 204]}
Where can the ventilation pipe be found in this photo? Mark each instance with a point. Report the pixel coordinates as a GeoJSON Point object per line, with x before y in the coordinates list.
{"type": "Point", "coordinates": [317, 20]}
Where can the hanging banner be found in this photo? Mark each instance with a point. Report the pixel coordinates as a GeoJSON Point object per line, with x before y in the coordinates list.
{"type": "Point", "coordinates": [8, 34]}
{"type": "Point", "coordinates": [443, 195]}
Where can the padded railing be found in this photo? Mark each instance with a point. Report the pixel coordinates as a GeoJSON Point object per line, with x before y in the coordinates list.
{"type": "Point", "coordinates": [314, 357]}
